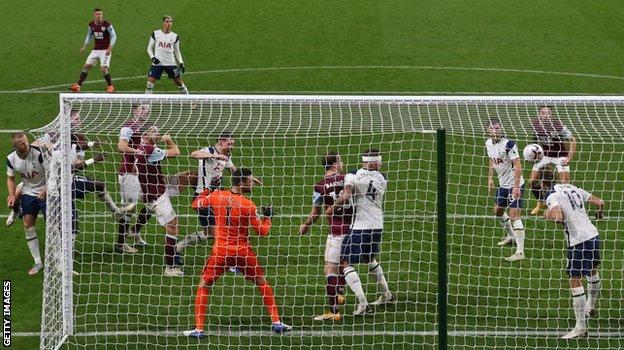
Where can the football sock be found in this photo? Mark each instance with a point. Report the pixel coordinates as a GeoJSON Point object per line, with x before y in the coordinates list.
{"type": "Point", "coordinates": [107, 77]}
{"type": "Point", "coordinates": [170, 242]}
{"type": "Point", "coordinates": [33, 244]}
{"type": "Point", "coordinates": [183, 89]}
{"type": "Point", "coordinates": [143, 218]}
{"type": "Point", "coordinates": [353, 281]}
{"type": "Point", "coordinates": [505, 222]}
{"type": "Point", "coordinates": [537, 191]}
{"type": "Point", "coordinates": [106, 198]}
{"type": "Point", "coordinates": [83, 76]}
{"type": "Point", "coordinates": [578, 302]}
{"type": "Point", "coordinates": [190, 240]}
{"type": "Point", "coordinates": [332, 292]}
{"type": "Point", "coordinates": [201, 304]}
{"type": "Point", "coordinates": [593, 285]}
{"type": "Point", "coordinates": [124, 226]}
{"type": "Point", "coordinates": [375, 270]}
{"type": "Point", "coordinates": [519, 234]}
{"type": "Point", "coordinates": [149, 88]}
{"type": "Point", "coordinates": [268, 298]}
{"type": "Point", "coordinates": [341, 283]}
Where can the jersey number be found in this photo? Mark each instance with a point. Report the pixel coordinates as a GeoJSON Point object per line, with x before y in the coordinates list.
{"type": "Point", "coordinates": [372, 191]}
{"type": "Point", "coordinates": [572, 198]}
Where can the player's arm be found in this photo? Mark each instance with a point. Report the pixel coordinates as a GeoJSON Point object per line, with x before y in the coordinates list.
{"type": "Point", "coordinates": [490, 178]}
{"type": "Point", "coordinates": [201, 154]}
{"type": "Point", "coordinates": [599, 204]}
{"type": "Point", "coordinates": [151, 49]}
{"type": "Point", "coordinates": [172, 148]}
{"type": "Point", "coordinates": [312, 217]}
{"type": "Point", "coordinates": [344, 197]}
{"type": "Point", "coordinates": [113, 39]}
{"type": "Point", "coordinates": [87, 39]}
{"type": "Point", "coordinates": [178, 54]}
{"type": "Point", "coordinates": [553, 213]}
{"type": "Point", "coordinates": [261, 226]}
{"type": "Point", "coordinates": [570, 146]}
{"type": "Point", "coordinates": [123, 145]}
{"type": "Point", "coordinates": [80, 163]}
{"type": "Point", "coordinates": [11, 186]}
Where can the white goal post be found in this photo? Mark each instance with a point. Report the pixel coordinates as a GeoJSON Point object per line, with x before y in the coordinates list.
{"type": "Point", "coordinates": [96, 297]}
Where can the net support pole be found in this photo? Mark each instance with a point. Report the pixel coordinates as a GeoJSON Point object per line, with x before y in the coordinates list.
{"type": "Point", "coordinates": [442, 258]}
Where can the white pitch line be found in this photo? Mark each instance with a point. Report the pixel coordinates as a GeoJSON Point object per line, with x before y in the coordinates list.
{"type": "Point", "coordinates": [325, 333]}
{"type": "Point", "coordinates": [265, 69]}
{"type": "Point", "coordinates": [338, 92]}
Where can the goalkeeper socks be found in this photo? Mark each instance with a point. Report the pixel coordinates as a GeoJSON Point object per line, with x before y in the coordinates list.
{"type": "Point", "coordinates": [190, 240]}
{"type": "Point", "coordinates": [106, 198]}
{"type": "Point", "coordinates": [505, 222]}
{"type": "Point", "coordinates": [578, 302]}
{"type": "Point", "coordinates": [201, 304]}
{"type": "Point", "coordinates": [183, 89]}
{"type": "Point", "coordinates": [268, 298]}
{"type": "Point", "coordinates": [353, 281]}
{"type": "Point", "coordinates": [107, 77]}
{"type": "Point", "coordinates": [83, 76]}
{"type": "Point", "coordinates": [143, 218]}
{"type": "Point", "coordinates": [149, 88]}
{"type": "Point", "coordinates": [170, 242]}
{"type": "Point", "coordinates": [375, 270]}
{"type": "Point", "coordinates": [332, 292]}
{"type": "Point", "coordinates": [593, 289]}
{"type": "Point", "coordinates": [33, 244]}
{"type": "Point", "coordinates": [519, 234]}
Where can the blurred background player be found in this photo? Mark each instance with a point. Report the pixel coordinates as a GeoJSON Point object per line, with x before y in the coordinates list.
{"type": "Point", "coordinates": [559, 147]}
{"type": "Point", "coordinates": [164, 52]}
{"type": "Point", "coordinates": [154, 187]}
{"type": "Point", "coordinates": [367, 186]}
{"type": "Point", "coordinates": [103, 33]}
{"type": "Point", "coordinates": [233, 214]}
{"type": "Point", "coordinates": [30, 163]}
{"type": "Point", "coordinates": [566, 204]}
{"type": "Point", "coordinates": [504, 158]}
{"type": "Point", "coordinates": [129, 139]}
{"type": "Point", "coordinates": [325, 192]}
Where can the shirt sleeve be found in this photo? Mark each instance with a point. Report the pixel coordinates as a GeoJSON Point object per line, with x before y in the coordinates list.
{"type": "Point", "coordinates": [263, 226]}
{"type": "Point", "coordinates": [10, 169]}
{"type": "Point", "coordinates": [350, 179]}
{"type": "Point", "coordinates": [113, 35]}
{"type": "Point", "coordinates": [565, 133]}
{"type": "Point", "coordinates": [157, 155]}
{"type": "Point", "coordinates": [586, 196]}
{"type": "Point", "coordinates": [176, 51]}
{"type": "Point", "coordinates": [317, 199]}
{"type": "Point", "coordinates": [126, 133]}
{"type": "Point", "coordinates": [150, 46]}
{"type": "Point", "coordinates": [229, 163]}
{"type": "Point", "coordinates": [552, 201]}
{"type": "Point", "coordinates": [513, 152]}
{"type": "Point", "coordinates": [89, 36]}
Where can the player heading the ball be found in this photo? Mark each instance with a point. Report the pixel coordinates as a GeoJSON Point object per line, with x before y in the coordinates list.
{"type": "Point", "coordinates": [164, 52]}
{"type": "Point", "coordinates": [504, 159]}
{"type": "Point", "coordinates": [104, 36]}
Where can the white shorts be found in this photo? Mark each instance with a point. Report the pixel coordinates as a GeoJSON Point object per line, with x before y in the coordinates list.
{"type": "Point", "coordinates": [99, 56]}
{"type": "Point", "coordinates": [163, 209]}
{"type": "Point", "coordinates": [173, 185]}
{"type": "Point", "coordinates": [130, 188]}
{"type": "Point", "coordinates": [557, 161]}
{"type": "Point", "coordinates": [332, 248]}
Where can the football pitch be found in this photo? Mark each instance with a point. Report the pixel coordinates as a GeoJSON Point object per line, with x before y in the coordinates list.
{"type": "Point", "coordinates": [323, 47]}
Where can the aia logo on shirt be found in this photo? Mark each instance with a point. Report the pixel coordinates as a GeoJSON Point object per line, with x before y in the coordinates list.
{"type": "Point", "coordinates": [30, 175]}
{"type": "Point", "coordinates": [497, 161]}
{"type": "Point", "coordinates": [164, 45]}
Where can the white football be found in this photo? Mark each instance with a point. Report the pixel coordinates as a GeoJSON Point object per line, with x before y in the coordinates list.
{"type": "Point", "coordinates": [533, 153]}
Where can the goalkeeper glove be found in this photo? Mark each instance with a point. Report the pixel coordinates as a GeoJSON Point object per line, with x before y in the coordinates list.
{"type": "Point", "coordinates": [155, 60]}
{"type": "Point", "coordinates": [182, 68]}
{"type": "Point", "coordinates": [267, 211]}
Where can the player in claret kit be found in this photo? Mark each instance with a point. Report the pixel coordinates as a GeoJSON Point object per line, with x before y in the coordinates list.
{"type": "Point", "coordinates": [566, 205]}
{"type": "Point", "coordinates": [326, 192]}
{"type": "Point", "coordinates": [164, 52]}
{"type": "Point", "coordinates": [102, 32]}
{"type": "Point", "coordinates": [234, 213]}
{"type": "Point", "coordinates": [504, 159]}
{"type": "Point", "coordinates": [559, 147]}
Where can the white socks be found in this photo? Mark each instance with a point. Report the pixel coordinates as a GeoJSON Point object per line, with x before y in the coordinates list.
{"type": "Point", "coordinates": [578, 302]}
{"type": "Point", "coordinates": [149, 88]}
{"type": "Point", "coordinates": [33, 244]}
{"type": "Point", "coordinates": [375, 270]}
{"type": "Point", "coordinates": [183, 89]}
{"type": "Point", "coordinates": [106, 198]}
{"type": "Point", "coordinates": [506, 223]}
{"type": "Point", "coordinates": [191, 240]}
{"type": "Point", "coordinates": [518, 229]}
{"type": "Point", "coordinates": [353, 281]}
{"type": "Point", "coordinates": [593, 286]}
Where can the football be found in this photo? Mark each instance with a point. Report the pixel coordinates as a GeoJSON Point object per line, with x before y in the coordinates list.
{"type": "Point", "coordinates": [533, 153]}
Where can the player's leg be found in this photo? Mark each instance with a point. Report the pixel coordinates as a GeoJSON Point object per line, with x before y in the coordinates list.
{"type": "Point", "coordinates": [213, 270]}
{"type": "Point", "coordinates": [166, 216]}
{"type": "Point", "coordinates": [179, 83]}
{"type": "Point", "coordinates": [332, 271]}
{"type": "Point", "coordinates": [92, 59]}
{"type": "Point", "coordinates": [501, 200]}
{"type": "Point", "coordinates": [594, 285]}
{"type": "Point", "coordinates": [30, 209]}
{"type": "Point", "coordinates": [154, 74]}
{"type": "Point", "coordinates": [575, 272]}
{"type": "Point", "coordinates": [372, 250]}
{"type": "Point", "coordinates": [349, 255]}
{"type": "Point", "coordinates": [15, 209]}
{"type": "Point", "coordinates": [130, 192]}
{"type": "Point", "coordinates": [105, 69]}
{"type": "Point", "coordinates": [206, 221]}
{"type": "Point", "coordinates": [518, 231]}
{"type": "Point", "coordinates": [537, 185]}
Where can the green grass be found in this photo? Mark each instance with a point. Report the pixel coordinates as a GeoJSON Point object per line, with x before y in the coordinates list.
{"type": "Point", "coordinates": [346, 47]}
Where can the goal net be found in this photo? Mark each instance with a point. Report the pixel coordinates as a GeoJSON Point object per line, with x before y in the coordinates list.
{"type": "Point", "coordinates": [98, 297]}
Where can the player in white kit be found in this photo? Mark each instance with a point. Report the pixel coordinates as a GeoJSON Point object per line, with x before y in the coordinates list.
{"type": "Point", "coordinates": [367, 187]}
{"type": "Point", "coordinates": [504, 159]}
{"type": "Point", "coordinates": [164, 52]}
{"type": "Point", "coordinates": [566, 204]}
{"type": "Point", "coordinates": [30, 162]}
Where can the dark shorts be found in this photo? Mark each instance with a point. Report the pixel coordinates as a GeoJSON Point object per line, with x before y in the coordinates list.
{"type": "Point", "coordinates": [583, 257]}
{"type": "Point", "coordinates": [157, 71]}
{"type": "Point", "coordinates": [31, 205]}
{"type": "Point", "coordinates": [82, 185]}
{"type": "Point", "coordinates": [206, 218]}
{"type": "Point", "coordinates": [504, 199]}
{"type": "Point", "coordinates": [360, 246]}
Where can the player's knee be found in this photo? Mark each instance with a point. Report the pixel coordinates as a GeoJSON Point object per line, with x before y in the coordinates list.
{"type": "Point", "coordinates": [104, 70]}
{"type": "Point", "coordinates": [31, 233]}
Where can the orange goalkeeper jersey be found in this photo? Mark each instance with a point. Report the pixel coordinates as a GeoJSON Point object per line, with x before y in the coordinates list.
{"type": "Point", "coordinates": [233, 214]}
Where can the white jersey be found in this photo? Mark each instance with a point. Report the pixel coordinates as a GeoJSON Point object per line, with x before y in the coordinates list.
{"type": "Point", "coordinates": [210, 170]}
{"type": "Point", "coordinates": [32, 170]}
{"type": "Point", "coordinates": [503, 154]}
{"type": "Point", "coordinates": [165, 47]}
{"type": "Point", "coordinates": [571, 200]}
{"type": "Point", "coordinates": [369, 189]}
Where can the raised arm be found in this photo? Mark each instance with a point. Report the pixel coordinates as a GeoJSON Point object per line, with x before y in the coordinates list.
{"type": "Point", "coordinates": [570, 146]}
{"type": "Point", "coordinates": [172, 148]}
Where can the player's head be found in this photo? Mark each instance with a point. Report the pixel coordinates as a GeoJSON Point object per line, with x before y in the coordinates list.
{"type": "Point", "coordinates": [167, 23]}
{"type": "Point", "coordinates": [225, 142]}
{"type": "Point", "coordinates": [151, 135]}
{"type": "Point", "coordinates": [242, 179]}
{"type": "Point", "coordinates": [371, 159]}
{"type": "Point", "coordinates": [495, 129]}
{"type": "Point", "coordinates": [76, 121]}
{"type": "Point", "coordinates": [545, 112]}
{"type": "Point", "coordinates": [98, 14]}
{"type": "Point", "coordinates": [140, 110]}
{"type": "Point", "coordinates": [20, 142]}
{"type": "Point", "coordinates": [332, 161]}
